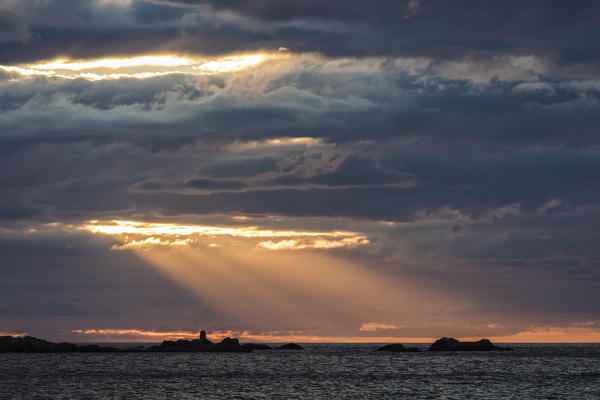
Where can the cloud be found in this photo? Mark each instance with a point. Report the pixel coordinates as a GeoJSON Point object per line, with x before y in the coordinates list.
{"type": "Point", "coordinates": [457, 151]}
{"type": "Point", "coordinates": [319, 172]}
{"type": "Point", "coordinates": [150, 242]}
{"type": "Point", "coordinates": [375, 326]}
{"type": "Point", "coordinates": [139, 67]}
{"type": "Point", "coordinates": [378, 28]}
{"type": "Point", "coordinates": [321, 244]}
{"type": "Point", "coordinates": [152, 235]}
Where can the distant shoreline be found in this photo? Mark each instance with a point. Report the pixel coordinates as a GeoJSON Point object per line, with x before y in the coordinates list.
{"type": "Point", "coordinates": [29, 344]}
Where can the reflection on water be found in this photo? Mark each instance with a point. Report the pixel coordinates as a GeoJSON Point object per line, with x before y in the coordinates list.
{"type": "Point", "coordinates": [322, 371]}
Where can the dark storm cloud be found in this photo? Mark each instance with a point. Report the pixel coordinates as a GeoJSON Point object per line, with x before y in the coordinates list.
{"type": "Point", "coordinates": [426, 139]}
{"type": "Point", "coordinates": [375, 103]}
{"type": "Point", "coordinates": [353, 171]}
{"type": "Point", "coordinates": [431, 28]}
{"type": "Point", "coordinates": [439, 28]}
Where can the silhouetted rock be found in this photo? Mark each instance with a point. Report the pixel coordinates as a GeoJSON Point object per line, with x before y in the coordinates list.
{"type": "Point", "coordinates": [257, 346]}
{"type": "Point", "coordinates": [399, 348]}
{"type": "Point", "coordinates": [29, 344]}
{"type": "Point", "coordinates": [290, 346]}
{"type": "Point", "coordinates": [181, 346]}
{"type": "Point", "coordinates": [451, 344]}
{"type": "Point", "coordinates": [94, 348]}
{"type": "Point", "coordinates": [66, 348]}
{"type": "Point", "coordinates": [230, 344]}
{"type": "Point", "coordinates": [135, 349]}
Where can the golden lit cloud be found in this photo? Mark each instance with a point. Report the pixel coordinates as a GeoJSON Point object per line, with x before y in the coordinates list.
{"type": "Point", "coordinates": [374, 326]}
{"type": "Point", "coordinates": [276, 143]}
{"type": "Point", "coordinates": [140, 235]}
{"type": "Point", "coordinates": [296, 244]}
{"type": "Point", "coordinates": [150, 229]}
{"type": "Point", "coordinates": [230, 64]}
{"type": "Point", "coordinates": [138, 67]}
{"type": "Point", "coordinates": [25, 71]}
{"type": "Point", "coordinates": [114, 63]}
{"type": "Point", "coordinates": [151, 241]}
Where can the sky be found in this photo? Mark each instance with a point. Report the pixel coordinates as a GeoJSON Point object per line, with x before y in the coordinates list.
{"type": "Point", "coordinates": [338, 171]}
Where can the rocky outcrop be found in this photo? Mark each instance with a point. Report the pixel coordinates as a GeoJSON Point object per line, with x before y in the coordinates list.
{"type": "Point", "coordinates": [135, 349]}
{"type": "Point", "coordinates": [399, 348]}
{"type": "Point", "coordinates": [228, 345]}
{"type": "Point", "coordinates": [181, 345]}
{"type": "Point", "coordinates": [29, 344]}
{"type": "Point", "coordinates": [290, 346]}
{"type": "Point", "coordinates": [451, 344]}
{"type": "Point", "coordinates": [93, 348]}
{"type": "Point", "coordinates": [257, 346]}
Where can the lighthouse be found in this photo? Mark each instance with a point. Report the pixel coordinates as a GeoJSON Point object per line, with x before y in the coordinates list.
{"type": "Point", "coordinates": [202, 339]}
{"type": "Point", "coordinates": [202, 336]}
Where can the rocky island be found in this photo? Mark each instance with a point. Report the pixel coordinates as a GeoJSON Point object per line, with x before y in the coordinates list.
{"type": "Point", "coordinates": [201, 345]}
{"type": "Point", "coordinates": [227, 345]}
{"type": "Point", "coordinates": [290, 346]}
{"type": "Point", "coordinates": [29, 344]}
{"type": "Point", "coordinates": [451, 344]}
{"type": "Point", "coordinates": [446, 344]}
{"type": "Point", "coordinates": [399, 348]}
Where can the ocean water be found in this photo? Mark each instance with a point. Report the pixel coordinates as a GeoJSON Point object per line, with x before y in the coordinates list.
{"type": "Point", "coordinates": [324, 371]}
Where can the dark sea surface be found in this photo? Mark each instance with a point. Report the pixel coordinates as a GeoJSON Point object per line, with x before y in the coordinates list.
{"type": "Point", "coordinates": [322, 371]}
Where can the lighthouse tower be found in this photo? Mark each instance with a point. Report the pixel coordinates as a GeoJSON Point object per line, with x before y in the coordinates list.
{"type": "Point", "coordinates": [202, 336]}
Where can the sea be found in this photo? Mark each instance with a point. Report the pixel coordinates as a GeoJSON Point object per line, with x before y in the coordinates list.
{"type": "Point", "coordinates": [321, 371]}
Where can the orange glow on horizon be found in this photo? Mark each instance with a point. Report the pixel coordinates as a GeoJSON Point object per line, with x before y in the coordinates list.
{"type": "Point", "coordinates": [571, 334]}
{"type": "Point", "coordinates": [537, 335]}
{"type": "Point", "coordinates": [138, 333]}
{"type": "Point", "coordinates": [244, 336]}
{"type": "Point", "coordinates": [2, 333]}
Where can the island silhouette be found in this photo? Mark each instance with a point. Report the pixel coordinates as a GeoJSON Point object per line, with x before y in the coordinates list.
{"type": "Point", "coordinates": [29, 344]}
{"type": "Point", "coordinates": [447, 344]}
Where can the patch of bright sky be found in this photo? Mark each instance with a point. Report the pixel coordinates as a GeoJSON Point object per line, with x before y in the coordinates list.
{"type": "Point", "coordinates": [150, 229]}
{"type": "Point", "coordinates": [139, 67]}
{"type": "Point", "coordinates": [141, 235]}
